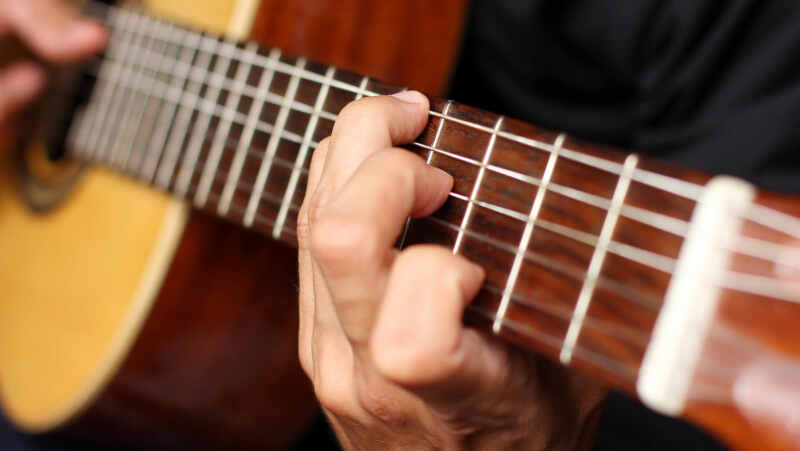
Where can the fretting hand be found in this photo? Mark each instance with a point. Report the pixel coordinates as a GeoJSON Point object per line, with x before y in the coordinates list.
{"type": "Point", "coordinates": [381, 334]}
{"type": "Point", "coordinates": [54, 32]}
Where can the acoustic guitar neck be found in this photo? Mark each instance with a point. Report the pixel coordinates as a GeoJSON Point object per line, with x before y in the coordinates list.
{"type": "Point", "coordinates": [662, 281]}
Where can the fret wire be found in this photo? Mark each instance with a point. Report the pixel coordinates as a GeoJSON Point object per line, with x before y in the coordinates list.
{"type": "Point", "coordinates": [220, 81]}
{"type": "Point", "coordinates": [672, 185]}
{"type": "Point", "coordinates": [272, 144]}
{"type": "Point", "coordinates": [641, 299]}
{"type": "Point", "coordinates": [623, 250]}
{"type": "Point", "coordinates": [428, 160]}
{"type": "Point", "coordinates": [487, 157]}
{"type": "Point", "coordinates": [201, 126]}
{"type": "Point", "coordinates": [689, 195]}
{"type": "Point", "coordinates": [145, 85]}
{"type": "Point", "coordinates": [526, 234]}
{"type": "Point", "coordinates": [105, 91]}
{"type": "Point", "coordinates": [650, 259]}
{"type": "Point", "coordinates": [179, 133]}
{"type": "Point", "coordinates": [676, 186]}
{"type": "Point", "coordinates": [626, 333]}
{"type": "Point", "coordinates": [110, 135]}
{"type": "Point", "coordinates": [253, 118]}
{"type": "Point", "coordinates": [303, 153]}
{"type": "Point", "coordinates": [362, 87]}
{"type": "Point", "coordinates": [610, 364]}
{"type": "Point", "coordinates": [156, 147]}
{"type": "Point", "coordinates": [149, 147]}
{"type": "Point", "coordinates": [187, 100]}
{"type": "Point", "coordinates": [598, 257]}
{"type": "Point", "coordinates": [662, 222]}
{"type": "Point", "coordinates": [226, 121]}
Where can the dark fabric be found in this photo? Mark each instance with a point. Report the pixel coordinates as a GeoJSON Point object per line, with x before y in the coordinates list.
{"type": "Point", "coordinates": [709, 84]}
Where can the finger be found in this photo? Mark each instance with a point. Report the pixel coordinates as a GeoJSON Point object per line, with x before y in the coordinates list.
{"type": "Point", "coordinates": [306, 269]}
{"type": "Point", "coordinates": [20, 84]}
{"type": "Point", "coordinates": [353, 236]}
{"type": "Point", "coordinates": [419, 341]}
{"type": "Point", "coordinates": [372, 124]}
{"type": "Point", "coordinates": [52, 29]}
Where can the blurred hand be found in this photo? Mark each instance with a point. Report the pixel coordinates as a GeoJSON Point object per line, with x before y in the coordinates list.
{"type": "Point", "coordinates": [381, 333]}
{"type": "Point", "coordinates": [55, 33]}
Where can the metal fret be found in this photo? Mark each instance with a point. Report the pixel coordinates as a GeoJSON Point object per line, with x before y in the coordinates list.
{"type": "Point", "coordinates": [596, 263]}
{"type": "Point", "coordinates": [302, 155]}
{"type": "Point", "coordinates": [272, 146]}
{"type": "Point", "coordinates": [158, 140]}
{"type": "Point", "coordinates": [401, 244]}
{"type": "Point", "coordinates": [250, 128]}
{"type": "Point", "coordinates": [519, 256]}
{"type": "Point", "coordinates": [105, 89]}
{"type": "Point", "coordinates": [163, 115]}
{"type": "Point", "coordinates": [362, 88]}
{"type": "Point", "coordinates": [437, 137]}
{"type": "Point", "coordinates": [487, 157]}
{"type": "Point", "coordinates": [180, 131]}
{"type": "Point", "coordinates": [135, 114]}
{"type": "Point", "coordinates": [111, 132]}
{"type": "Point", "coordinates": [226, 122]}
{"type": "Point", "coordinates": [199, 131]}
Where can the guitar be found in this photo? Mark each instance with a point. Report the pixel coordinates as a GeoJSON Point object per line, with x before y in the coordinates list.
{"type": "Point", "coordinates": [128, 317]}
{"type": "Point", "coordinates": [668, 284]}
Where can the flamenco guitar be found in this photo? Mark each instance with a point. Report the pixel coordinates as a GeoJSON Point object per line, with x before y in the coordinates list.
{"type": "Point", "coordinates": [674, 286]}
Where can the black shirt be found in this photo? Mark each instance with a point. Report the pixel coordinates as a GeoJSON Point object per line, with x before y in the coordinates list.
{"type": "Point", "coordinates": [713, 85]}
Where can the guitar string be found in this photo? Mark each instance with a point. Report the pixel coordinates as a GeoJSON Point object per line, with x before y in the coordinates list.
{"type": "Point", "coordinates": [756, 248]}
{"type": "Point", "coordinates": [785, 223]}
{"type": "Point", "coordinates": [735, 280]}
{"type": "Point", "coordinates": [579, 351]}
{"type": "Point", "coordinates": [742, 282]}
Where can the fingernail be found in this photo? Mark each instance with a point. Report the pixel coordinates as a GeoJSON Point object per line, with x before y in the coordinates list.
{"type": "Point", "coordinates": [410, 96]}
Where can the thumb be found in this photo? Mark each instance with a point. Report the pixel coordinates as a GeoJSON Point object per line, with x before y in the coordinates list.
{"type": "Point", "coordinates": [419, 341]}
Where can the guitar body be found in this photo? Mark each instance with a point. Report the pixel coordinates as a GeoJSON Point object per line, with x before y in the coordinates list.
{"type": "Point", "coordinates": [127, 317]}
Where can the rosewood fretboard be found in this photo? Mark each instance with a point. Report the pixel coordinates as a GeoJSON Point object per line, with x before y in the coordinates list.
{"type": "Point", "coordinates": [579, 241]}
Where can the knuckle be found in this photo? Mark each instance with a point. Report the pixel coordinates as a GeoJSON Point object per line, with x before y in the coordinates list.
{"type": "Point", "coordinates": [379, 402]}
{"type": "Point", "coordinates": [398, 357]}
{"type": "Point", "coordinates": [431, 262]}
{"type": "Point", "coordinates": [340, 243]}
{"type": "Point", "coordinates": [359, 113]}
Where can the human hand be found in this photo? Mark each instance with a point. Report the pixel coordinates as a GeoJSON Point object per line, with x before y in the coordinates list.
{"type": "Point", "coordinates": [381, 333]}
{"type": "Point", "coordinates": [55, 33]}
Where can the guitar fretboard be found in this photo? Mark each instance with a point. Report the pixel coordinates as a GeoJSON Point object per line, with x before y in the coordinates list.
{"type": "Point", "coordinates": [579, 242]}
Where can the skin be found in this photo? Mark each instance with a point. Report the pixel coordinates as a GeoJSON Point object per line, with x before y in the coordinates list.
{"type": "Point", "coordinates": [55, 33]}
{"type": "Point", "coordinates": [381, 335]}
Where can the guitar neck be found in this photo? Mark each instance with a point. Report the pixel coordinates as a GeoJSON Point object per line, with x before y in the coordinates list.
{"type": "Point", "coordinates": [581, 243]}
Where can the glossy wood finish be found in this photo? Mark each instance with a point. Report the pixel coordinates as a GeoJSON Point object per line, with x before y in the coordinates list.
{"type": "Point", "coordinates": [215, 366]}
{"type": "Point", "coordinates": [750, 329]}
{"type": "Point", "coordinates": [489, 219]}
{"type": "Point", "coordinates": [404, 42]}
